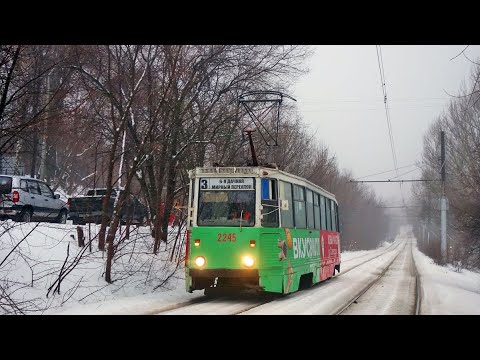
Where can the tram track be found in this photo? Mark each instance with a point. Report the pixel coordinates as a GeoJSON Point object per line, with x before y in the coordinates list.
{"type": "Point", "coordinates": [349, 306]}
{"type": "Point", "coordinates": [418, 286]}
{"type": "Point", "coordinates": [367, 254]}
{"type": "Point", "coordinates": [369, 259]}
{"type": "Point", "coordinates": [207, 305]}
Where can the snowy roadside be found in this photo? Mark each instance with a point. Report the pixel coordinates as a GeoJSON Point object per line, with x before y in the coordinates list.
{"type": "Point", "coordinates": [146, 283]}
{"type": "Point", "coordinates": [445, 290]}
{"type": "Point", "coordinates": [146, 304]}
{"type": "Point", "coordinates": [44, 271]}
{"type": "Point", "coordinates": [161, 301]}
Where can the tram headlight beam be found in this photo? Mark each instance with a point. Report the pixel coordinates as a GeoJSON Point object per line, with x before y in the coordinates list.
{"type": "Point", "coordinates": [248, 261]}
{"type": "Point", "coordinates": [200, 261]}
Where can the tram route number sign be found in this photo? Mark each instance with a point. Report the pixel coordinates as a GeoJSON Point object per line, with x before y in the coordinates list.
{"type": "Point", "coordinates": [227, 184]}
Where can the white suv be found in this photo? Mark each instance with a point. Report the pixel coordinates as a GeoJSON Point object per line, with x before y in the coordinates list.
{"type": "Point", "coordinates": [24, 198]}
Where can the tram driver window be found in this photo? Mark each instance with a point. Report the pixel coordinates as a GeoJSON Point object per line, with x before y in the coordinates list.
{"type": "Point", "coordinates": [269, 203]}
{"type": "Point", "coordinates": [226, 208]}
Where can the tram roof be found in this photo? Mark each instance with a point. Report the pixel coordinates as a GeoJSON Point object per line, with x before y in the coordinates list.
{"type": "Point", "coordinates": [257, 171]}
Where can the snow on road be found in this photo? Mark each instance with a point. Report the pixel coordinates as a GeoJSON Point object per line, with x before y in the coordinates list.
{"type": "Point", "coordinates": [38, 259]}
{"type": "Point", "coordinates": [358, 272]}
{"type": "Point", "coordinates": [445, 290]}
{"type": "Point", "coordinates": [331, 296]}
{"type": "Point", "coordinates": [227, 306]}
{"type": "Point", "coordinates": [394, 293]}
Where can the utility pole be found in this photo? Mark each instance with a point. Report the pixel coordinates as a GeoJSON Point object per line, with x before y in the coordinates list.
{"type": "Point", "coordinates": [443, 201]}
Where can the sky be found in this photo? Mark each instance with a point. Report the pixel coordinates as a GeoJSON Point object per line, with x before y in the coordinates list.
{"type": "Point", "coordinates": [445, 290]}
{"type": "Point", "coordinates": [341, 99]}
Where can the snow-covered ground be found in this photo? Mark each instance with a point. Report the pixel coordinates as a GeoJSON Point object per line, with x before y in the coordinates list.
{"type": "Point", "coordinates": [36, 264]}
{"type": "Point", "coordinates": [35, 256]}
{"type": "Point", "coordinates": [445, 290]}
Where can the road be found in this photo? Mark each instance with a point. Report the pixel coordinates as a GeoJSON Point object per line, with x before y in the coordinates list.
{"type": "Point", "coordinates": [381, 282]}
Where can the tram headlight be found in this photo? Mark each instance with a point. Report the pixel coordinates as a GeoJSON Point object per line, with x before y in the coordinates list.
{"type": "Point", "coordinates": [248, 261]}
{"type": "Point", "coordinates": [200, 261]}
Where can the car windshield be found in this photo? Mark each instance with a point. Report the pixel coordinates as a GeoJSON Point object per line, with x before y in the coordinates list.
{"type": "Point", "coordinates": [5, 185]}
{"type": "Point", "coordinates": [100, 192]}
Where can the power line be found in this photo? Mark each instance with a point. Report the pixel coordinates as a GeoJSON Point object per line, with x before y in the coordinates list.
{"type": "Point", "coordinates": [384, 90]}
{"type": "Point", "coordinates": [321, 100]}
{"type": "Point", "coordinates": [408, 172]}
{"type": "Point", "coordinates": [391, 181]}
{"type": "Point", "coordinates": [466, 47]}
{"type": "Point", "coordinates": [384, 172]}
{"type": "Point", "coordinates": [397, 207]}
{"type": "Point", "coordinates": [387, 113]}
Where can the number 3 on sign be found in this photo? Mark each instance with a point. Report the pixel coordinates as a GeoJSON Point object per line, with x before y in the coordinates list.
{"type": "Point", "coordinates": [224, 237]}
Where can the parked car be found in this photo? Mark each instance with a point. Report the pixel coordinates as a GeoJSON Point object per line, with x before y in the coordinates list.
{"type": "Point", "coordinates": [24, 199]}
{"type": "Point", "coordinates": [88, 208]}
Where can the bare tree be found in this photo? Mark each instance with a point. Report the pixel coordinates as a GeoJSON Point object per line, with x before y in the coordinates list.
{"type": "Point", "coordinates": [461, 124]}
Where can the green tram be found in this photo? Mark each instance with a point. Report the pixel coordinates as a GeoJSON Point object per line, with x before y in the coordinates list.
{"type": "Point", "coordinates": [259, 227]}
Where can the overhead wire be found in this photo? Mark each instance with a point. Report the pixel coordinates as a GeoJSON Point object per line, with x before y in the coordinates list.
{"type": "Point", "coordinates": [384, 172]}
{"type": "Point", "coordinates": [405, 173]}
{"type": "Point", "coordinates": [387, 113]}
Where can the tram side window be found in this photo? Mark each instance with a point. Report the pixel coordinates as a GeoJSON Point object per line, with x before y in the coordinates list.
{"type": "Point", "coordinates": [334, 215]}
{"type": "Point", "coordinates": [323, 213]}
{"type": "Point", "coordinates": [310, 221]}
{"type": "Point", "coordinates": [316, 210]}
{"type": "Point", "coordinates": [329, 215]}
{"type": "Point", "coordinates": [338, 218]}
{"type": "Point", "coordinates": [299, 207]}
{"type": "Point", "coordinates": [269, 203]}
{"type": "Point", "coordinates": [286, 195]}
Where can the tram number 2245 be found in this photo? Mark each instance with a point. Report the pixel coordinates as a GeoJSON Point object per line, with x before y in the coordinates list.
{"type": "Point", "coordinates": [224, 237]}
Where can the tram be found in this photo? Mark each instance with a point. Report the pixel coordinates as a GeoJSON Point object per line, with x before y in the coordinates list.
{"type": "Point", "coordinates": [261, 228]}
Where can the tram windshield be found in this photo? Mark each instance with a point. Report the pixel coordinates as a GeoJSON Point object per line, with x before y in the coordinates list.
{"type": "Point", "coordinates": [218, 206]}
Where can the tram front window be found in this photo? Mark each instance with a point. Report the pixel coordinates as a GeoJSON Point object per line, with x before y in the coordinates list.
{"type": "Point", "coordinates": [226, 208]}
